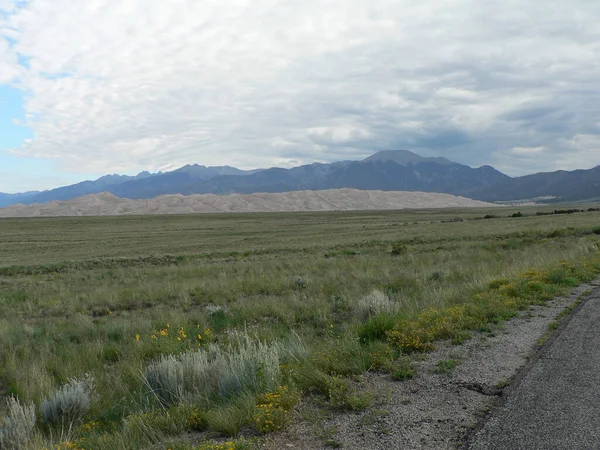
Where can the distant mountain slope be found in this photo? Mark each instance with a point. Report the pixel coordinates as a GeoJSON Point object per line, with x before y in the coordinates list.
{"type": "Point", "coordinates": [565, 186]}
{"type": "Point", "coordinates": [149, 184]}
{"type": "Point", "coordinates": [83, 188]}
{"type": "Point", "coordinates": [328, 200]}
{"type": "Point", "coordinates": [388, 171]}
{"type": "Point", "coordinates": [427, 176]}
{"type": "Point", "coordinates": [11, 199]}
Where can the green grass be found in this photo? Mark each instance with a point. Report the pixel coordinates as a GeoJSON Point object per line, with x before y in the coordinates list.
{"type": "Point", "coordinates": [109, 297]}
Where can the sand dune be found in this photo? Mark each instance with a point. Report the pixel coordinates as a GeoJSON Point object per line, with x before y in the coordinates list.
{"type": "Point", "coordinates": [106, 204]}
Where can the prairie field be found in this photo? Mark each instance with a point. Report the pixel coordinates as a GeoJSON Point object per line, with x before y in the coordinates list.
{"type": "Point", "coordinates": [204, 331]}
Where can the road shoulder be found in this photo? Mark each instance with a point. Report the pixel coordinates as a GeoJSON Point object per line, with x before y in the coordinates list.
{"type": "Point", "coordinates": [455, 389]}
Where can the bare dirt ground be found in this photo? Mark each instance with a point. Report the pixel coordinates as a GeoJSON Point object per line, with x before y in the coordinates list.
{"type": "Point", "coordinates": [327, 200]}
{"type": "Point", "coordinates": [442, 406]}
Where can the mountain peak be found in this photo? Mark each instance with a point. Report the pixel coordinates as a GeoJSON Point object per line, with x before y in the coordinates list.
{"type": "Point", "coordinates": [403, 157]}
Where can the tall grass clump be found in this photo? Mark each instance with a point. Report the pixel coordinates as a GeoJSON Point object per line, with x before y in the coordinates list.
{"type": "Point", "coordinates": [215, 373]}
{"type": "Point", "coordinates": [67, 407]}
{"type": "Point", "coordinates": [17, 426]}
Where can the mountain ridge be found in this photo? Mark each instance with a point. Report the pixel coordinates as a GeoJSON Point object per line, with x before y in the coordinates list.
{"type": "Point", "coordinates": [387, 170]}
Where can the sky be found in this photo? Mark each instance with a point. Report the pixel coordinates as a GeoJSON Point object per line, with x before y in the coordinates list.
{"type": "Point", "coordinates": [105, 86]}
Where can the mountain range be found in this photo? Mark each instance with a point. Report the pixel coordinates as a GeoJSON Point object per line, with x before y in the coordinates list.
{"type": "Point", "coordinates": [396, 170]}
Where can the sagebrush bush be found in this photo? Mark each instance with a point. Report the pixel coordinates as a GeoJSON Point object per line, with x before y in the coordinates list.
{"type": "Point", "coordinates": [251, 366]}
{"type": "Point", "coordinates": [69, 404]}
{"type": "Point", "coordinates": [374, 304]}
{"type": "Point", "coordinates": [18, 424]}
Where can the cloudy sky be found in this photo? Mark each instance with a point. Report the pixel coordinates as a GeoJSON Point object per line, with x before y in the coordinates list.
{"type": "Point", "coordinates": [119, 86]}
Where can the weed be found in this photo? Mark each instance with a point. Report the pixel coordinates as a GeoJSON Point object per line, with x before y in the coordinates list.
{"type": "Point", "coordinates": [503, 384]}
{"type": "Point", "coordinates": [446, 366]}
{"type": "Point", "coordinates": [329, 437]}
{"type": "Point", "coordinates": [403, 370]}
{"type": "Point", "coordinates": [344, 395]}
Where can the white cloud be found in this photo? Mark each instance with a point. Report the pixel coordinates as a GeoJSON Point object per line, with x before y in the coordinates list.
{"type": "Point", "coordinates": [527, 151]}
{"type": "Point", "coordinates": [9, 68]}
{"type": "Point", "coordinates": [147, 84]}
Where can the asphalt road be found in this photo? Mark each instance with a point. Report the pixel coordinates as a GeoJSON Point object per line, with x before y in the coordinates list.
{"type": "Point", "coordinates": [556, 402]}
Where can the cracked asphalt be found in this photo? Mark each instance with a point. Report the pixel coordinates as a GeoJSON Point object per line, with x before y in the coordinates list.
{"type": "Point", "coordinates": [555, 403]}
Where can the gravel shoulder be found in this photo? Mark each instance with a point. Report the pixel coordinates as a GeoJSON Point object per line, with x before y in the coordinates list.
{"type": "Point", "coordinates": [438, 408]}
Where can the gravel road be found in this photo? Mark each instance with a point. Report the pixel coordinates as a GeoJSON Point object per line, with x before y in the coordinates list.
{"type": "Point", "coordinates": [555, 403]}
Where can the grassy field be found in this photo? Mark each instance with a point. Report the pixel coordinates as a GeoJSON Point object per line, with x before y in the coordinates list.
{"type": "Point", "coordinates": [172, 331]}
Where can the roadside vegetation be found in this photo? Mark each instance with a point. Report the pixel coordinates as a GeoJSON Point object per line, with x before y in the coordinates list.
{"type": "Point", "coordinates": [206, 331]}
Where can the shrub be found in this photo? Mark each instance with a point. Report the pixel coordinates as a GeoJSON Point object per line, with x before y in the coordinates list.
{"type": "Point", "coordinates": [69, 404]}
{"type": "Point", "coordinates": [299, 282]}
{"type": "Point", "coordinates": [437, 275]}
{"type": "Point", "coordinates": [398, 248]}
{"type": "Point", "coordinates": [274, 409]}
{"type": "Point", "coordinates": [215, 372]}
{"type": "Point", "coordinates": [374, 304]}
{"type": "Point", "coordinates": [410, 337]}
{"type": "Point", "coordinates": [556, 234]}
{"type": "Point", "coordinates": [517, 214]}
{"type": "Point", "coordinates": [17, 426]}
{"type": "Point", "coordinates": [196, 420]}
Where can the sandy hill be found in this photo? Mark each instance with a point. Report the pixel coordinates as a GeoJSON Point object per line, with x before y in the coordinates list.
{"type": "Point", "coordinates": [106, 204]}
